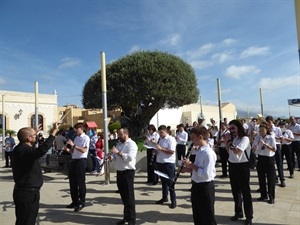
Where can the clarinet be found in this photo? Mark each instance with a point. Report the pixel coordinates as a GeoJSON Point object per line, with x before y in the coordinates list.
{"type": "Point", "coordinates": [179, 171]}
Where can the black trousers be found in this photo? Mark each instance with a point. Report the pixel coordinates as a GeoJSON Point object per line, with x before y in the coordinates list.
{"type": "Point", "coordinates": [125, 183]}
{"type": "Point", "coordinates": [77, 180]}
{"type": "Point", "coordinates": [180, 150]}
{"type": "Point", "coordinates": [26, 205]}
{"type": "Point", "coordinates": [239, 180]}
{"type": "Point", "coordinates": [203, 200]}
{"type": "Point", "coordinates": [169, 169]}
{"type": "Point", "coordinates": [278, 159]}
{"type": "Point", "coordinates": [296, 150]}
{"type": "Point", "coordinates": [224, 159]}
{"type": "Point", "coordinates": [8, 159]}
{"type": "Point", "coordinates": [151, 166]}
{"type": "Point", "coordinates": [266, 169]}
{"type": "Point", "coordinates": [286, 151]}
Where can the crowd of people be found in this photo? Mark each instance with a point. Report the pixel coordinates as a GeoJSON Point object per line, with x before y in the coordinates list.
{"type": "Point", "coordinates": [193, 150]}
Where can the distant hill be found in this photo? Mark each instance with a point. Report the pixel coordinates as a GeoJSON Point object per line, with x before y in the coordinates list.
{"type": "Point", "coordinates": [244, 114]}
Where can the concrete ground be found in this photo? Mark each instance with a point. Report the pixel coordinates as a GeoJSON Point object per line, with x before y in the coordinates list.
{"type": "Point", "coordinates": [104, 206]}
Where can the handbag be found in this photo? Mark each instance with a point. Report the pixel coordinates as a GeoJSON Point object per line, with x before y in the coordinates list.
{"type": "Point", "coordinates": [252, 159]}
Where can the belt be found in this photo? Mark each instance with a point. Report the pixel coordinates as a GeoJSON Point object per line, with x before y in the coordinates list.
{"type": "Point", "coordinates": [79, 159]}
{"type": "Point", "coordinates": [123, 171]}
{"type": "Point", "coordinates": [27, 188]}
{"type": "Point", "coordinates": [202, 183]}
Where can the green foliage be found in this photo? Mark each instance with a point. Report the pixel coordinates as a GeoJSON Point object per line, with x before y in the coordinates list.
{"type": "Point", "coordinates": [11, 132]}
{"type": "Point", "coordinates": [116, 125]}
{"type": "Point", "coordinates": [142, 83]}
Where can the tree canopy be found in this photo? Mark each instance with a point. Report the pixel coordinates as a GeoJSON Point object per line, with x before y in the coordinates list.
{"type": "Point", "coordinates": [141, 84]}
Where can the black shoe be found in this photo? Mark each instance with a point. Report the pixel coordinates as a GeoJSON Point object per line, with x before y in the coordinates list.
{"type": "Point", "coordinates": [79, 207]}
{"type": "Point", "coordinates": [5, 166]}
{"type": "Point", "coordinates": [236, 217]}
{"type": "Point", "coordinates": [276, 181]}
{"type": "Point", "coordinates": [248, 222]}
{"type": "Point", "coordinates": [271, 201]}
{"type": "Point", "coordinates": [117, 191]}
{"type": "Point", "coordinates": [154, 183]}
{"type": "Point", "coordinates": [291, 176]}
{"type": "Point", "coordinates": [173, 205]}
{"type": "Point", "coordinates": [262, 198]}
{"type": "Point", "coordinates": [223, 176]}
{"type": "Point", "coordinates": [72, 205]}
{"type": "Point", "coordinates": [258, 190]}
{"type": "Point", "coordinates": [123, 221]}
{"type": "Point", "coordinates": [162, 201]}
{"type": "Point", "coordinates": [282, 184]}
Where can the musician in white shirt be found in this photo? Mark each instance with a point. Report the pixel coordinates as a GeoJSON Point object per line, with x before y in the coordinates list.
{"type": "Point", "coordinates": [203, 173]}
{"type": "Point", "coordinates": [295, 128]}
{"type": "Point", "coordinates": [286, 149]}
{"type": "Point", "coordinates": [264, 146]}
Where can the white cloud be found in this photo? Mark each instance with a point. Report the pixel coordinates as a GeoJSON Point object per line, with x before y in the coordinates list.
{"type": "Point", "coordinates": [222, 57]}
{"type": "Point", "coordinates": [203, 50]}
{"type": "Point", "coordinates": [255, 51]}
{"type": "Point", "coordinates": [282, 82]}
{"type": "Point", "coordinates": [172, 40]}
{"type": "Point", "coordinates": [69, 62]}
{"type": "Point", "coordinates": [237, 72]}
{"type": "Point", "coordinates": [200, 64]}
{"type": "Point", "coordinates": [229, 41]}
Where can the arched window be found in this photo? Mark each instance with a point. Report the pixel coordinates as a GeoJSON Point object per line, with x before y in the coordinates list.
{"type": "Point", "coordinates": [40, 121]}
{"type": "Point", "coordinates": [1, 121]}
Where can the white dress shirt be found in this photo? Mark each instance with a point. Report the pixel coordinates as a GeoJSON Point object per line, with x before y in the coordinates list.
{"type": "Point", "coordinates": [153, 137]}
{"type": "Point", "coordinates": [127, 160]}
{"type": "Point", "coordinates": [263, 150]}
{"type": "Point", "coordinates": [295, 129]}
{"type": "Point", "coordinates": [168, 142]}
{"type": "Point", "coordinates": [242, 144]}
{"type": "Point", "coordinates": [287, 134]}
{"type": "Point", "coordinates": [206, 160]}
{"type": "Point", "coordinates": [81, 141]}
{"type": "Point", "coordinates": [182, 137]}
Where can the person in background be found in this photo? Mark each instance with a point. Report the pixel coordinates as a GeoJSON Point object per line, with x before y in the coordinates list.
{"type": "Point", "coordinates": [9, 144]}
{"type": "Point", "coordinates": [239, 171]}
{"type": "Point", "coordinates": [100, 154]}
{"type": "Point", "coordinates": [181, 138]}
{"type": "Point", "coordinates": [41, 138]}
{"type": "Point", "coordinates": [221, 137]}
{"type": "Point", "coordinates": [276, 132]}
{"type": "Point", "coordinates": [92, 151]}
{"type": "Point", "coordinates": [124, 156]}
{"type": "Point", "coordinates": [59, 141]}
{"type": "Point", "coordinates": [203, 173]}
{"type": "Point", "coordinates": [27, 173]}
{"type": "Point", "coordinates": [169, 130]}
{"type": "Point", "coordinates": [150, 141]}
{"type": "Point", "coordinates": [295, 128]}
{"type": "Point", "coordinates": [264, 146]}
{"type": "Point", "coordinates": [71, 134]}
{"type": "Point", "coordinates": [79, 150]}
{"type": "Point", "coordinates": [286, 150]}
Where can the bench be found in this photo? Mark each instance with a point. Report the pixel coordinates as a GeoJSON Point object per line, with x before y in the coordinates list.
{"type": "Point", "coordinates": [56, 162]}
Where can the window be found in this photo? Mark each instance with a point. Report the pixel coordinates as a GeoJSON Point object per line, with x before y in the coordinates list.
{"type": "Point", "coordinates": [40, 121]}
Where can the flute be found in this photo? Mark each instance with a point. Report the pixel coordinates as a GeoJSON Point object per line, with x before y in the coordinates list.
{"type": "Point", "coordinates": [179, 171]}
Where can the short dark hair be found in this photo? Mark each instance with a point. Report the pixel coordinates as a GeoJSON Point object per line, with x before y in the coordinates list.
{"type": "Point", "coordinates": [162, 127]}
{"type": "Point", "coordinates": [269, 118]}
{"type": "Point", "coordinates": [200, 131]}
{"type": "Point", "coordinates": [80, 125]}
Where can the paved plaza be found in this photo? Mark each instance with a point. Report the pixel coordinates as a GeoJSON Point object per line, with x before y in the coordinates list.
{"type": "Point", "coordinates": [104, 206]}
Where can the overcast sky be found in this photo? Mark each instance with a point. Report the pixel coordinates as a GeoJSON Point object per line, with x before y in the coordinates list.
{"type": "Point", "coordinates": [246, 44]}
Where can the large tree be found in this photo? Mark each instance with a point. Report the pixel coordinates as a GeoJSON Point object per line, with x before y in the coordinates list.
{"type": "Point", "coordinates": [141, 84]}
